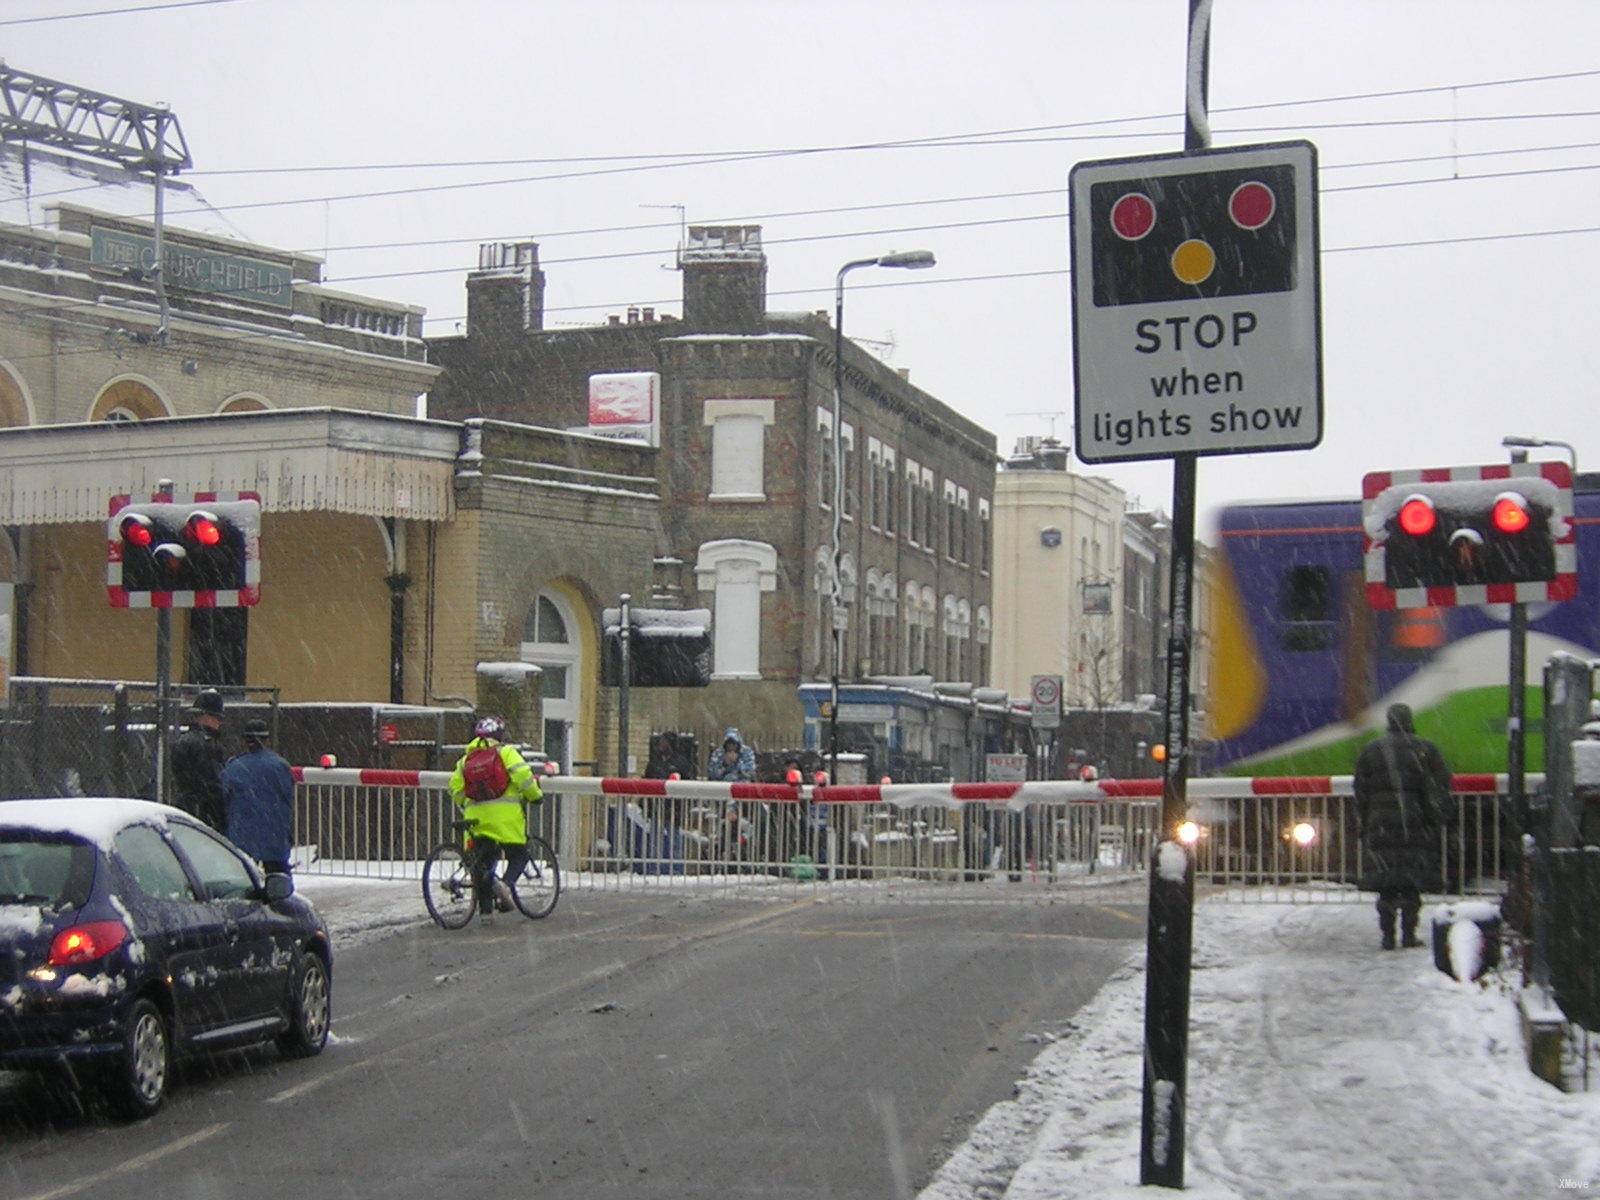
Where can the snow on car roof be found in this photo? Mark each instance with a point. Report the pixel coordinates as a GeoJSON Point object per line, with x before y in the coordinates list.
{"type": "Point", "coordinates": [94, 818]}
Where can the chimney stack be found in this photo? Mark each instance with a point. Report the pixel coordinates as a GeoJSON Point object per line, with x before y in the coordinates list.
{"type": "Point", "coordinates": [725, 279]}
{"type": "Point", "coordinates": [506, 293]}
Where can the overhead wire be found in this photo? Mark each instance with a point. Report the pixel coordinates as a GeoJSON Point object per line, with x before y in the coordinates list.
{"type": "Point", "coordinates": [824, 289]}
{"type": "Point", "coordinates": [470, 185]}
{"type": "Point", "coordinates": [832, 210]}
{"type": "Point", "coordinates": [1054, 215]}
{"type": "Point", "coordinates": [112, 12]}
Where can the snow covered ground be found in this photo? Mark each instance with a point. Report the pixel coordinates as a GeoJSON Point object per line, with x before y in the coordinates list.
{"type": "Point", "coordinates": [1319, 1066]}
{"type": "Point", "coordinates": [361, 910]}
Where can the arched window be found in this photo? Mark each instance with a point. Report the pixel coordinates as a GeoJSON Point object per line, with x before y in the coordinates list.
{"type": "Point", "coordinates": [128, 399]}
{"type": "Point", "coordinates": [14, 407]}
{"type": "Point", "coordinates": [244, 402]}
{"type": "Point", "coordinates": [822, 585]}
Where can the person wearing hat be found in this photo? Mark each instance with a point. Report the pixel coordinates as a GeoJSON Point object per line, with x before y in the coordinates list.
{"type": "Point", "coordinates": [197, 761]}
{"type": "Point", "coordinates": [258, 787]}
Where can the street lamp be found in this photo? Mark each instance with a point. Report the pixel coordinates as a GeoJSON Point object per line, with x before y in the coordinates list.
{"type": "Point", "coordinates": [912, 260]}
{"type": "Point", "coordinates": [1513, 442]}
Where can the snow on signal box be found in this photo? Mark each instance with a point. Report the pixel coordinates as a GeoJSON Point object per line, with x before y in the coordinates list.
{"type": "Point", "coordinates": [202, 552]}
{"type": "Point", "coordinates": [1446, 536]}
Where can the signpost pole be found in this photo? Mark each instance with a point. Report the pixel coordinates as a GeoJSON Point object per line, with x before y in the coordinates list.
{"type": "Point", "coordinates": [163, 672]}
{"type": "Point", "coordinates": [1170, 930]}
{"type": "Point", "coordinates": [622, 684]}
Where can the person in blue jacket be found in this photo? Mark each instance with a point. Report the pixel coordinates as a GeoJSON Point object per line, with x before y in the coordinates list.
{"type": "Point", "coordinates": [733, 762]}
{"type": "Point", "coordinates": [258, 793]}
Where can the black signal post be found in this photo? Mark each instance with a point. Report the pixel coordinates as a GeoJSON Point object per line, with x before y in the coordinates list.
{"type": "Point", "coordinates": [1169, 931]}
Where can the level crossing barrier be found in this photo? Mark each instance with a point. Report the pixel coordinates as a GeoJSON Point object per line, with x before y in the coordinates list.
{"type": "Point", "coordinates": [1264, 837]}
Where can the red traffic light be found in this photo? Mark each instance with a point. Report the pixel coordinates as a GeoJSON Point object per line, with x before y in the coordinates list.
{"type": "Point", "coordinates": [1252, 204]}
{"type": "Point", "coordinates": [1133, 216]}
{"type": "Point", "coordinates": [1417, 516]}
{"type": "Point", "coordinates": [136, 530]}
{"type": "Point", "coordinates": [1510, 513]}
{"type": "Point", "coordinates": [203, 529]}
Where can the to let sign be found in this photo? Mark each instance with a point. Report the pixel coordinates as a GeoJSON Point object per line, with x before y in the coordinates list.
{"type": "Point", "coordinates": [1196, 311]}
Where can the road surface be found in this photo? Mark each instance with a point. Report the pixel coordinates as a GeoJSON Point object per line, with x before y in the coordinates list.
{"type": "Point", "coordinates": [628, 1046]}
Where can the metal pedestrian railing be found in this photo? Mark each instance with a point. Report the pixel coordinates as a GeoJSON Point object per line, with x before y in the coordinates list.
{"type": "Point", "coordinates": [1291, 838]}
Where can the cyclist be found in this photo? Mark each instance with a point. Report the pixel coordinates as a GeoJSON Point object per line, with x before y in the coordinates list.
{"type": "Point", "coordinates": [490, 784]}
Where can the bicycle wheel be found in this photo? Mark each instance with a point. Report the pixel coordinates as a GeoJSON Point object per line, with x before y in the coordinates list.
{"type": "Point", "coordinates": [447, 886]}
{"type": "Point", "coordinates": [538, 887]}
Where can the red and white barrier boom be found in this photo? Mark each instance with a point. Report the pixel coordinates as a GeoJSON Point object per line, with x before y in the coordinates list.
{"type": "Point", "coordinates": [903, 795]}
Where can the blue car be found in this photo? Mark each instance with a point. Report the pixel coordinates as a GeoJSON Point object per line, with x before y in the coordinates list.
{"type": "Point", "coordinates": [131, 934]}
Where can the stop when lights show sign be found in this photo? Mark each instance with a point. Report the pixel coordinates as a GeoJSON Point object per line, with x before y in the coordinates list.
{"type": "Point", "coordinates": [1196, 314]}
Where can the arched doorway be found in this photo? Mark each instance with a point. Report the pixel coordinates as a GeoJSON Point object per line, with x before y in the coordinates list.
{"type": "Point", "coordinates": [552, 639]}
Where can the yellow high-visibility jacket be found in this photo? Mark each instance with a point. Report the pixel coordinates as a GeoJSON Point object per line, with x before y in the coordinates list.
{"type": "Point", "coordinates": [497, 820]}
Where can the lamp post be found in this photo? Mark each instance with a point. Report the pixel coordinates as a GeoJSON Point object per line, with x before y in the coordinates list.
{"type": "Point", "coordinates": [913, 260]}
{"type": "Point", "coordinates": [1513, 442]}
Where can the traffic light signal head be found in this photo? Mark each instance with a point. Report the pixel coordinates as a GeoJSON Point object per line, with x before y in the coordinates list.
{"type": "Point", "coordinates": [1469, 535]}
{"type": "Point", "coordinates": [1228, 232]}
{"type": "Point", "coordinates": [203, 553]}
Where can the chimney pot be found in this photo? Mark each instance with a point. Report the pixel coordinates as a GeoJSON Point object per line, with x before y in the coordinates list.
{"type": "Point", "coordinates": [613, 319]}
{"type": "Point", "coordinates": [649, 315]}
{"type": "Point", "coordinates": [633, 316]}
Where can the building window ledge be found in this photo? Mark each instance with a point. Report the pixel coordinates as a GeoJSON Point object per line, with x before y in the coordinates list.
{"type": "Point", "coordinates": [739, 497]}
{"type": "Point", "coordinates": [736, 675]}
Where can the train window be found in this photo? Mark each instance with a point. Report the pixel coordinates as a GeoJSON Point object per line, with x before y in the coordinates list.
{"type": "Point", "coordinates": [1306, 604]}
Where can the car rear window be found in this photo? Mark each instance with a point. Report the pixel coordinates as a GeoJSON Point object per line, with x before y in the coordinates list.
{"type": "Point", "coordinates": [44, 869]}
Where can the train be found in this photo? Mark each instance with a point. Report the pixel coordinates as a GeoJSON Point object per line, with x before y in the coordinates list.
{"type": "Point", "coordinates": [1303, 667]}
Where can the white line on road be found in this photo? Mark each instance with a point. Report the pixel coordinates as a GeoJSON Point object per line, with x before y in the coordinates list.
{"type": "Point", "coordinates": [133, 1164]}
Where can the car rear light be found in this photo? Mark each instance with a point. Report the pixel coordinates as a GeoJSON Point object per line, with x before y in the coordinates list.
{"type": "Point", "coordinates": [85, 943]}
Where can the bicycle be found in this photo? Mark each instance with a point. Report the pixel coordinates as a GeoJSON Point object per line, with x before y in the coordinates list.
{"type": "Point", "coordinates": [447, 887]}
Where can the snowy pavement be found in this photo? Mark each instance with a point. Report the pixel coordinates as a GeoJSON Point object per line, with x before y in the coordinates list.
{"type": "Point", "coordinates": [1319, 1066]}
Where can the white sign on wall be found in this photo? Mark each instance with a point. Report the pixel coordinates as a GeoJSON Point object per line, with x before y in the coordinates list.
{"type": "Point", "coordinates": [626, 405]}
{"type": "Point", "coordinates": [1196, 310]}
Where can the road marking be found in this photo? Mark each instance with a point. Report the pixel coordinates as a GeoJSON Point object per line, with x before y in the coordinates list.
{"type": "Point", "coordinates": [133, 1164]}
{"type": "Point", "coordinates": [1121, 915]}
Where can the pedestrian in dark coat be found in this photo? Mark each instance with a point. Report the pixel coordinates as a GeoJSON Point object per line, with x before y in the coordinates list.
{"type": "Point", "coordinates": [259, 787]}
{"type": "Point", "coordinates": [197, 761]}
{"type": "Point", "coordinates": [1402, 787]}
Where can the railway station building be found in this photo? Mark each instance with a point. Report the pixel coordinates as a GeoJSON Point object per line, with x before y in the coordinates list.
{"type": "Point", "coordinates": [397, 553]}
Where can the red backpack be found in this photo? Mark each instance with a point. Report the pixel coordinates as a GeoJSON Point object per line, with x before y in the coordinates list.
{"type": "Point", "coordinates": [484, 775]}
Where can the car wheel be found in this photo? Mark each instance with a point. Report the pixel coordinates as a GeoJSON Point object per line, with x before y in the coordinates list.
{"type": "Point", "coordinates": [310, 1007]}
{"type": "Point", "coordinates": [139, 1079]}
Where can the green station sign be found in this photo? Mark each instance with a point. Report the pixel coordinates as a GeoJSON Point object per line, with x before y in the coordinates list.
{"type": "Point", "coordinates": [235, 276]}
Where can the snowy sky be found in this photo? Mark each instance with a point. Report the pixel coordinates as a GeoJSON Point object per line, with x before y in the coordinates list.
{"type": "Point", "coordinates": [1456, 308]}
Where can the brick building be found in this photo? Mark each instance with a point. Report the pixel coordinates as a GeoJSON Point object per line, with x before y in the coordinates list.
{"type": "Point", "coordinates": [745, 473]}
